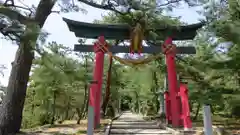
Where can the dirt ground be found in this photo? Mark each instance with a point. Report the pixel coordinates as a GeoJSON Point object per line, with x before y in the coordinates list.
{"type": "Point", "coordinates": [231, 126]}
{"type": "Point", "coordinates": [66, 128]}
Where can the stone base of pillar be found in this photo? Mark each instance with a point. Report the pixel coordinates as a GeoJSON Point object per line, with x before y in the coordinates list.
{"type": "Point", "coordinates": [187, 129]}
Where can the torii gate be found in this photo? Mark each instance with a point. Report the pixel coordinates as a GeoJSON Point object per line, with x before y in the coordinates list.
{"type": "Point", "coordinates": [177, 108]}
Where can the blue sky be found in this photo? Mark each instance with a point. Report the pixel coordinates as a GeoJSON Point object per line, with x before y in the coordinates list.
{"type": "Point", "coordinates": [59, 32]}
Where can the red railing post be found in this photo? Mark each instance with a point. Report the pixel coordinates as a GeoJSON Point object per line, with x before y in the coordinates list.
{"type": "Point", "coordinates": [187, 123]}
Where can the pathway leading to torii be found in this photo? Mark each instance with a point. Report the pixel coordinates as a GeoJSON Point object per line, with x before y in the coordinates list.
{"type": "Point", "coordinates": [133, 124]}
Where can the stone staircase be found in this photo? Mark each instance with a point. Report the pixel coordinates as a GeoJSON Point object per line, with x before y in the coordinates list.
{"type": "Point", "coordinates": [133, 124]}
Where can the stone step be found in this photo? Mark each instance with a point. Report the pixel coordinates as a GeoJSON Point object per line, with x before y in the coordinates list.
{"type": "Point", "coordinates": [135, 127]}
{"type": "Point", "coordinates": [129, 120]}
{"type": "Point", "coordinates": [141, 134]}
{"type": "Point", "coordinates": [138, 131]}
{"type": "Point", "coordinates": [134, 123]}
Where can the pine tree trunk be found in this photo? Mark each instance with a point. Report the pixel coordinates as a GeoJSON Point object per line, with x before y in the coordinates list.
{"type": "Point", "coordinates": [212, 109]}
{"type": "Point", "coordinates": [86, 106]}
{"type": "Point", "coordinates": [11, 110]}
{"type": "Point", "coordinates": [67, 111]}
{"type": "Point", "coordinates": [191, 106]}
{"type": "Point", "coordinates": [53, 108]}
{"type": "Point", "coordinates": [197, 111]}
{"type": "Point", "coordinates": [107, 92]}
{"type": "Point", "coordinates": [82, 111]}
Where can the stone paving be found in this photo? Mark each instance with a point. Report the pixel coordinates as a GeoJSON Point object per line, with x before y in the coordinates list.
{"type": "Point", "coordinates": [133, 124]}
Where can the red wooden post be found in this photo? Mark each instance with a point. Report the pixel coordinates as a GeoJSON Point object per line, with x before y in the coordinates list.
{"type": "Point", "coordinates": [98, 75]}
{"type": "Point", "coordinates": [187, 123]}
{"type": "Point", "coordinates": [173, 84]}
{"type": "Point", "coordinates": [168, 107]}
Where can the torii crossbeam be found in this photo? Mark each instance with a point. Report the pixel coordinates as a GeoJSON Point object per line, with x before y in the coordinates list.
{"type": "Point", "coordinates": [146, 49]}
{"type": "Point", "coordinates": [121, 32]}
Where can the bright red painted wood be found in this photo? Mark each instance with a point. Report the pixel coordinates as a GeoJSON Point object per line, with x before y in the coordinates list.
{"type": "Point", "coordinates": [98, 75]}
{"type": "Point", "coordinates": [173, 85]}
{"type": "Point", "coordinates": [187, 123]}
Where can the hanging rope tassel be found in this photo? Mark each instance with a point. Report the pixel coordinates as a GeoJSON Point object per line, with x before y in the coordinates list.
{"type": "Point", "coordinates": [137, 36]}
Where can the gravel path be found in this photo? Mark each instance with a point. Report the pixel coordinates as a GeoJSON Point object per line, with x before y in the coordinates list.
{"type": "Point", "coordinates": [133, 124]}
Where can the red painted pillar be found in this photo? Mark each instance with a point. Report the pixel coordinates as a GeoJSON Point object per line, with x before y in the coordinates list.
{"type": "Point", "coordinates": [98, 75]}
{"type": "Point", "coordinates": [187, 123]}
{"type": "Point", "coordinates": [173, 84]}
{"type": "Point", "coordinates": [168, 107]}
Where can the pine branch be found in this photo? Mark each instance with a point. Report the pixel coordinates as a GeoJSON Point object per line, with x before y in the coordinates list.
{"type": "Point", "coordinates": [104, 7]}
{"type": "Point", "coordinates": [14, 15]}
{"type": "Point", "coordinates": [169, 2]}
